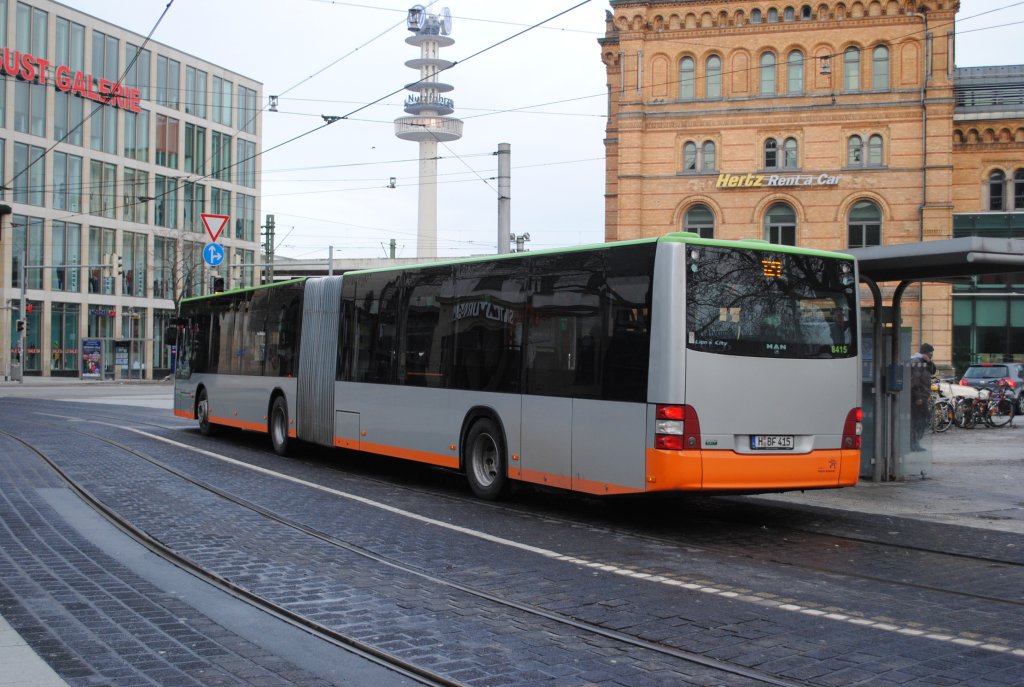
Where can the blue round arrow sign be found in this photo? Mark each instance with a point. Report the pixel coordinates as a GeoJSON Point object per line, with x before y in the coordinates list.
{"type": "Point", "coordinates": [213, 254]}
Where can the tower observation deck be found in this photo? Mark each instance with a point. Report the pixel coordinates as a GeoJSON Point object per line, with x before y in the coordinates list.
{"type": "Point", "coordinates": [428, 122]}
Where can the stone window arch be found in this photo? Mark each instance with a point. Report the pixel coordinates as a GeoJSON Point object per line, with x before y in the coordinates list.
{"type": "Point", "coordinates": [700, 220]}
{"type": "Point", "coordinates": [864, 225]}
{"type": "Point", "coordinates": [795, 72]}
{"type": "Point", "coordinates": [851, 69]}
{"type": "Point", "coordinates": [780, 224]}
{"type": "Point", "coordinates": [686, 79]}
{"type": "Point", "coordinates": [880, 68]}
{"type": "Point", "coordinates": [713, 77]}
{"type": "Point", "coordinates": [997, 191]}
{"type": "Point", "coordinates": [767, 73]}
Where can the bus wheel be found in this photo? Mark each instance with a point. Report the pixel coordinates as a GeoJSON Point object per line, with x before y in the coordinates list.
{"type": "Point", "coordinates": [203, 412]}
{"type": "Point", "coordinates": [485, 461]}
{"type": "Point", "coordinates": [279, 426]}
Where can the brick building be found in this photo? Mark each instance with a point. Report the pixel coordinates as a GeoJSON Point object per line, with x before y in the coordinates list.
{"type": "Point", "coordinates": [826, 124]}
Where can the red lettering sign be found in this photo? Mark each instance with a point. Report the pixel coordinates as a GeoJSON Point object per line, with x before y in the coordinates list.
{"type": "Point", "coordinates": [27, 67]}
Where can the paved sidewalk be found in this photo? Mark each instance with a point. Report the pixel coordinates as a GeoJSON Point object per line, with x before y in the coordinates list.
{"type": "Point", "coordinates": [966, 477]}
{"type": "Point", "coordinates": [22, 667]}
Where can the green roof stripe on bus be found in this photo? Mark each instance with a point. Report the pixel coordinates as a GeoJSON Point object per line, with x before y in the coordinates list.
{"type": "Point", "coordinates": [506, 256]}
{"type": "Point", "coordinates": [754, 244]}
{"type": "Point", "coordinates": [681, 237]}
{"type": "Point", "coordinates": [676, 237]}
{"type": "Point", "coordinates": [248, 288]}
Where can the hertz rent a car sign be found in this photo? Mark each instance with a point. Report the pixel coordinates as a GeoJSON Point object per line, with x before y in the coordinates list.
{"type": "Point", "coordinates": [751, 180]}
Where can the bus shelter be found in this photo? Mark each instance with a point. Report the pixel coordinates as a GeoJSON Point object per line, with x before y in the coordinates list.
{"type": "Point", "coordinates": [905, 264]}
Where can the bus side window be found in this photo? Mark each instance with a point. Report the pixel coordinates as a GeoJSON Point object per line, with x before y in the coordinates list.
{"type": "Point", "coordinates": [424, 330]}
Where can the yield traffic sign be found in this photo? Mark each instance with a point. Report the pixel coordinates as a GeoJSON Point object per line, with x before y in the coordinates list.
{"type": "Point", "coordinates": [214, 224]}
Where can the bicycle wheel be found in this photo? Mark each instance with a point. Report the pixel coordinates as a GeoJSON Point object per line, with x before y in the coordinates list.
{"type": "Point", "coordinates": [963, 414]}
{"type": "Point", "coordinates": [998, 412]}
{"type": "Point", "coordinates": [942, 415]}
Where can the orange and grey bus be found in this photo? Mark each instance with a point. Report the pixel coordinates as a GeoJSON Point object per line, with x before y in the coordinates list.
{"type": "Point", "coordinates": [667, 364]}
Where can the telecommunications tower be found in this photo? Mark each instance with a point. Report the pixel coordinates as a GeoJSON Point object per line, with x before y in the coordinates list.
{"type": "Point", "coordinates": [428, 122]}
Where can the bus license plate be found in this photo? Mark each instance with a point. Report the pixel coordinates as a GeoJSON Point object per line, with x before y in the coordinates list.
{"type": "Point", "coordinates": [771, 442]}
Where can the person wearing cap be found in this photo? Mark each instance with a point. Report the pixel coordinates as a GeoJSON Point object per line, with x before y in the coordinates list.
{"type": "Point", "coordinates": [921, 370]}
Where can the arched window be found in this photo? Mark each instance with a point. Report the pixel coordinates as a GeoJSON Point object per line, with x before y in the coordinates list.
{"type": "Point", "coordinates": [996, 189]}
{"type": "Point", "coordinates": [780, 224]}
{"type": "Point", "coordinates": [690, 157]}
{"type": "Point", "coordinates": [880, 68]}
{"type": "Point", "coordinates": [700, 220]}
{"type": "Point", "coordinates": [855, 152]}
{"type": "Point", "coordinates": [789, 149]}
{"type": "Point", "coordinates": [789, 14]}
{"type": "Point", "coordinates": [875, 151]}
{"type": "Point", "coordinates": [699, 159]}
{"type": "Point", "coordinates": [707, 163]}
{"type": "Point", "coordinates": [773, 15]}
{"type": "Point", "coordinates": [771, 154]}
{"type": "Point", "coordinates": [713, 77]}
{"type": "Point", "coordinates": [1018, 190]}
{"type": "Point", "coordinates": [864, 227]}
{"type": "Point", "coordinates": [805, 12]}
{"type": "Point", "coordinates": [795, 72]}
{"type": "Point", "coordinates": [755, 16]}
{"type": "Point", "coordinates": [686, 78]}
{"type": "Point", "coordinates": [768, 73]}
{"type": "Point", "coordinates": [851, 69]}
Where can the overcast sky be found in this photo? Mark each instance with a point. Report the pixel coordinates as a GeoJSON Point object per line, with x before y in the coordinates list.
{"type": "Point", "coordinates": [543, 92]}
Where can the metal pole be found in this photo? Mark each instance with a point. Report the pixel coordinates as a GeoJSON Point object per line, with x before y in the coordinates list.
{"type": "Point", "coordinates": [504, 196]}
{"type": "Point", "coordinates": [330, 261]}
{"type": "Point", "coordinates": [23, 315]}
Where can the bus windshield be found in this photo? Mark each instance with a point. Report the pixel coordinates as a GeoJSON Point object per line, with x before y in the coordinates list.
{"type": "Point", "coordinates": [770, 304]}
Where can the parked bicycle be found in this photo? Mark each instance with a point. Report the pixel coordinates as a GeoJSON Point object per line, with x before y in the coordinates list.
{"type": "Point", "coordinates": [993, 407]}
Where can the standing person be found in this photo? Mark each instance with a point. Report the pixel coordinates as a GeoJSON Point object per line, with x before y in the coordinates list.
{"type": "Point", "coordinates": [921, 370]}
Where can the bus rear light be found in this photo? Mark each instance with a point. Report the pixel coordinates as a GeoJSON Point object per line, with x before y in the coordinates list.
{"type": "Point", "coordinates": [670, 442]}
{"type": "Point", "coordinates": [676, 428]}
{"type": "Point", "coordinates": [669, 412]}
{"type": "Point", "coordinates": [853, 429]}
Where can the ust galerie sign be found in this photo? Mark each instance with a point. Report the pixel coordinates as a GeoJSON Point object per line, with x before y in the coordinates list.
{"type": "Point", "coordinates": [726, 180]}
{"type": "Point", "coordinates": [26, 67]}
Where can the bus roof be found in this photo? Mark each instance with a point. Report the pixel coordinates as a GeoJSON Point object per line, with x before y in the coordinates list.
{"type": "Point", "coordinates": [677, 237]}
{"type": "Point", "coordinates": [248, 288]}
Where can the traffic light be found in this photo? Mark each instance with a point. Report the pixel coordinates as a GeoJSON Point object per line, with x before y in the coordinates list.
{"type": "Point", "coordinates": [20, 325]}
{"type": "Point", "coordinates": [119, 264]}
{"type": "Point", "coordinates": [107, 269]}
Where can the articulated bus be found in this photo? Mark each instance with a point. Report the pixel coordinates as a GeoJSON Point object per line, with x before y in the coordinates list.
{"type": "Point", "coordinates": [667, 364]}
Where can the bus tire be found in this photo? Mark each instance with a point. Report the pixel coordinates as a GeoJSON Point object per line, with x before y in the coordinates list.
{"type": "Point", "coordinates": [279, 426]}
{"type": "Point", "coordinates": [485, 460]}
{"type": "Point", "coordinates": [206, 428]}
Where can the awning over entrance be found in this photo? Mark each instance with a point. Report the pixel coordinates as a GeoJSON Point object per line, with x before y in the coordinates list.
{"type": "Point", "coordinates": [907, 263]}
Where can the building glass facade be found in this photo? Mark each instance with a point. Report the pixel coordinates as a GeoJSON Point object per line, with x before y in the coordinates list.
{"type": "Point", "coordinates": [96, 185]}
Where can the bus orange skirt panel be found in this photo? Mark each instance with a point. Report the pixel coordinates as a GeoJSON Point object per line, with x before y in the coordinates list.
{"type": "Point", "coordinates": [728, 470]}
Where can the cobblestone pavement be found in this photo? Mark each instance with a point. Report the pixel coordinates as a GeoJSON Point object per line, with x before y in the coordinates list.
{"type": "Point", "coordinates": [83, 609]}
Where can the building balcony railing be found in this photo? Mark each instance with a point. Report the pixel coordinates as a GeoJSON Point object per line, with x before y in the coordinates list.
{"type": "Point", "coordinates": [428, 128]}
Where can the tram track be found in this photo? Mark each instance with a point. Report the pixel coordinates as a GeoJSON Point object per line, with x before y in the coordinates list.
{"type": "Point", "coordinates": [822, 540]}
{"type": "Point", "coordinates": [419, 673]}
{"type": "Point", "coordinates": [825, 541]}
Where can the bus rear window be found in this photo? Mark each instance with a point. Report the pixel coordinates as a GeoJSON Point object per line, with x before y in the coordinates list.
{"type": "Point", "coordinates": [767, 304]}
